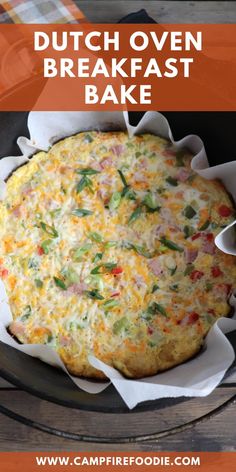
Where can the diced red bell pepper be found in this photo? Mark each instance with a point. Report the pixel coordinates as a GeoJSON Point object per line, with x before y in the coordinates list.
{"type": "Point", "coordinates": [116, 271]}
{"type": "Point", "coordinates": [115, 294]}
{"type": "Point", "coordinates": [196, 236]}
{"type": "Point", "coordinates": [196, 275]}
{"type": "Point", "coordinates": [193, 317]}
{"type": "Point", "coordinates": [216, 272]}
{"type": "Point", "coordinates": [211, 311]}
{"type": "Point", "coordinates": [4, 272]}
{"type": "Point", "coordinates": [224, 211]}
{"type": "Point", "coordinates": [40, 251]}
{"type": "Point", "coordinates": [150, 330]}
{"type": "Point", "coordinates": [209, 237]}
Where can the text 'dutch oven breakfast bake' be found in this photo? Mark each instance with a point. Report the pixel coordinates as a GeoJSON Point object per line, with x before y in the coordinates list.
{"type": "Point", "coordinates": [107, 248]}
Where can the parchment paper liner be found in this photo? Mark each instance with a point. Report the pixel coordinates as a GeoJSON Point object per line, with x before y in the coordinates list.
{"type": "Point", "coordinates": [199, 376]}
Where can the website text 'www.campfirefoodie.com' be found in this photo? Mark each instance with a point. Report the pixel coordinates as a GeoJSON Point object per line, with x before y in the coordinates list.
{"type": "Point", "coordinates": [81, 461]}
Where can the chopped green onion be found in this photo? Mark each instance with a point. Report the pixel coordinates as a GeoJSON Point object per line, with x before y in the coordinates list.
{"type": "Point", "coordinates": [170, 180]}
{"type": "Point", "coordinates": [155, 288]}
{"type": "Point", "coordinates": [120, 325]}
{"type": "Point", "coordinates": [38, 283]}
{"type": "Point", "coordinates": [188, 231]}
{"type": "Point", "coordinates": [109, 244]}
{"type": "Point", "coordinates": [88, 138]}
{"type": "Point", "coordinates": [87, 171]}
{"type": "Point", "coordinates": [27, 312]}
{"type": "Point", "coordinates": [172, 271]}
{"type": "Point", "coordinates": [45, 245]}
{"type": "Point", "coordinates": [123, 179]}
{"type": "Point", "coordinates": [59, 283]}
{"type": "Point", "coordinates": [97, 257]}
{"type": "Point", "coordinates": [55, 212]}
{"type": "Point", "coordinates": [107, 265]}
{"type": "Point", "coordinates": [189, 269]}
{"type": "Point", "coordinates": [115, 201]}
{"type": "Point", "coordinates": [214, 225]}
{"type": "Point", "coordinates": [151, 202]}
{"type": "Point", "coordinates": [174, 287]}
{"type": "Point", "coordinates": [171, 244]}
{"type": "Point", "coordinates": [110, 265]}
{"type": "Point", "coordinates": [179, 158]}
{"type": "Point", "coordinates": [189, 212]}
{"type": "Point", "coordinates": [83, 183]}
{"type": "Point", "coordinates": [155, 308]}
{"type": "Point", "coordinates": [71, 276]}
{"type": "Point", "coordinates": [110, 303]}
{"type": "Point", "coordinates": [80, 212]}
{"type": "Point", "coordinates": [94, 294]}
{"type": "Point", "coordinates": [209, 286]}
{"type": "Point", "coordinates": [135, 215]}
{"type": "Point", "coordinates": [205, 225]}
{"type": "Point", "coordinates": [141, 250]}
{"type": "Point", "coordinates": [95, 236]}
{"type": "Point", "coordinates": [129, 193]}
{"type": "Point", "coordinates": [82, 250]}
{"type": "Point", "coordinates": [33, 263]}
{"type": "Point", "coordinates": [49, 229]}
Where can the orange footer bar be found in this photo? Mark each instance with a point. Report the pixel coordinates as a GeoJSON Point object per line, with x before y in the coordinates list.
{"type": "Point", "coordinates": [111, 461]}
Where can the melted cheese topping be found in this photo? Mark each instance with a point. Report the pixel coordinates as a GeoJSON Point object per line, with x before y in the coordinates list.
{"type": "Point", "coordinates": [107, 247]}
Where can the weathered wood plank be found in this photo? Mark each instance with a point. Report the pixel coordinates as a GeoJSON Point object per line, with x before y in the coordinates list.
{"type": "Point", "coordinates": [217, 433]}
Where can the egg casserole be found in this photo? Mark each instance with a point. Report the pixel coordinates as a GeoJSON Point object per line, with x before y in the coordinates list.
{"type": "Point", "coordinates": [107, 248]}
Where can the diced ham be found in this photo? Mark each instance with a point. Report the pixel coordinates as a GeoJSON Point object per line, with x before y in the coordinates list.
{"type": "Point", "coordinates": [190, 255]}
{"type": "Point", "coordinates": [77, 289]}
{"type": "Point", "coordinates": [169, 152]}
{"type": "Point", "coordinates": [208, 245]}
{"type": "Point", "coordinates": [118, 149]}
{"type": "Point", "coordinates": [139, 177]}
{"type": "Point", "coordinates": [17, 211]}
{"type": "Point", "coordinates": [106, 180]}
{"type": "Point", "coordinates": [183, 174]}
{"type": "Point", "coordinates": [139, 281]}
{"type": "Point", "coordinates": [64, 340]}
{"type": "Point", "coordinates": [160, 230]}
{"type": "Point", "coordinates": [169, 219]}
{"type": "Point", "coordinates": [143, 163]}
{"type": "Point", "coordinates": [103, 194]}
{"type": "Point", "coordinates": [222, 290]}
{"type": "Point", "coordinates": [106, 162]}
{"type": "Point", "coordinates": [17, 328]}
{"type": "Point", "coordinates": [27, 190]}
{"type": "Point", "coordinates": [96, 166]}
{"type": "Point", "coordinates": [154, 265]}
{"type": "Point", "coordinates": [65, 169]}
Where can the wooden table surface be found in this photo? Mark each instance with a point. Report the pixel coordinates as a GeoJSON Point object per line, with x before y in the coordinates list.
{"type": "Point", "coordinates": [214, 434]}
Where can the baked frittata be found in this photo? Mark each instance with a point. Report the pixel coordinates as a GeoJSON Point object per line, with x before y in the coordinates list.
{"type": "Point", "coordinates": [107, 248]}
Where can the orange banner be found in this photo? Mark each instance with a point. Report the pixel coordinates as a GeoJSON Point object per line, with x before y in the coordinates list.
{"type": "Point", "coordinates": [112, 461]}
{"type": "Point", "coordinates": [114, 67]}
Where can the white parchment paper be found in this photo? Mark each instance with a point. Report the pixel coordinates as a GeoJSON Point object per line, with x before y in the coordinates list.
{"type": "Point", "coordinates": [197, 377]}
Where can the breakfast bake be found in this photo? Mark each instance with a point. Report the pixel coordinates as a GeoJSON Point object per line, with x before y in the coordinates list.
{"type": "Point", "coordinates": [107, 248]}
